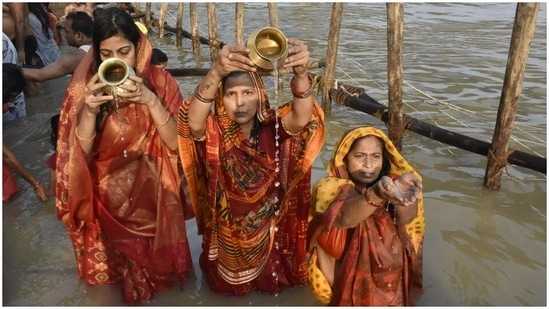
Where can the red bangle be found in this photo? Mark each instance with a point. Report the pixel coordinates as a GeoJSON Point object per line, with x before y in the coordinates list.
{"type": "Point", "coordinates": [201, 98]}
{"type": "Point", "coordinates": [369, 200]}
{"type": "Point", "coordinates": [305, 94]}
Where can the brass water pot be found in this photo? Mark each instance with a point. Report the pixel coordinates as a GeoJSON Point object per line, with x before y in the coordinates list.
{"type": "Point", "coordinates": [266, 45]}
{"type": "Point", "coordinates": [115, 72]}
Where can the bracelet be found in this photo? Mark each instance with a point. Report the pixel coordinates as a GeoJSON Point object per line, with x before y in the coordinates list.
{"type": "Point", "coordinates": [305, 94]}
{"type": "Point", "coordinates": [165, 121]}
{"type": "Point", "coordinates": [81, 138]}
{"type": "Point", "coordinates": [369, 200]}
{"type": "Point", "coordinates": [201, 98]}
{"type": "Point", "coordinates": [37, 185]}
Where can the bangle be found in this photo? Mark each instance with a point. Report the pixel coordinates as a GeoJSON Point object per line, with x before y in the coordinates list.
{"type": "Point", "coordinates": [369, 200]}
{"type": "Point", "coordinates": [201, 98]}
{"type": "Point", "coordinates": [165, 121]}
{"type": "Point", "coordinates": [37, 185]}
{"type": "Point", "coordinates": [305, 94]}
{"type": "Point", "coordinates": [81, 138]}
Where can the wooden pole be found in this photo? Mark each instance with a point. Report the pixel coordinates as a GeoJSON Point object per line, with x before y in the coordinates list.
{"type": "Point", "coordinates": [194, 28]}
{"type": "Point", "coordinates": [273, 14]}
{"type": "Point", "coordinates": [395, 27]}
{"type": "Point", "coordinates": [179, 24]}
{"type": "Point", "coordinates": [212, 30]}
{"type": "Point", "coordinates": [163, 10]}
{"type": "Point", "coordinates": [148, 19]}
{"type": "Point", "coordinates": [239, 20]}
{"type": "Point", "coordinates": [331, 56]}
{"type": "Point", "coordinates": [521, 38]}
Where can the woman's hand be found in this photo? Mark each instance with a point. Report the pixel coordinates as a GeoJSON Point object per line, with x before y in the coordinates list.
{"type": "Point", "coordinates": [233, 58]}
{"type": "Point", "coordinates": [298, 57]}
{"type": "Point", "coordinates": [137, 93]}
{"type": "Point", "coordinates": [404, 191]}
{"type": "Point", "coordinates": [94, 95]}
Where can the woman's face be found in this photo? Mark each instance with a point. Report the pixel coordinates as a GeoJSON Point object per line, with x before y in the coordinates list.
{"type": "Point", "coordinates": [364, 162]}
{"type": "Point", "coordinates": [118, 47]}
{"type": "Point", "coordinates": [240, 99]}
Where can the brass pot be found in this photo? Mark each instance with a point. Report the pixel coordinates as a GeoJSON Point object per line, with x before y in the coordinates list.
{"type": "Point", "coordinates": [115, 72]}
{"type": "Point", "coordinates": [266, 45]}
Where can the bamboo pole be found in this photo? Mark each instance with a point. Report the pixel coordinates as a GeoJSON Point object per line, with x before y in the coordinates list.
{"type": "Point", "coordinates": [163, 10]}
{"type": "Point", "coordinates": [521, 38]}
{"type": "Point", "coordinates": [194, 28]}
{"type": "Point", "coordinates": [331, 56]}
{"type": "Point", "coordinates": [179, 24]}
{"type": "Point", "coordinates": [395, 27]}
{"type": "Point", "coordinates": [239, 26]}
{"type": "Point", "coordinates": [212, 30]}
{"type": "Point", "coordinates": [148, 19]}
{"type": "Point", "coordinates": [273, 14]}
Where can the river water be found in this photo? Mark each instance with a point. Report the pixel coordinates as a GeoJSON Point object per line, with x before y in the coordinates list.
{"type": "Point", "coordinates": [482, 247]}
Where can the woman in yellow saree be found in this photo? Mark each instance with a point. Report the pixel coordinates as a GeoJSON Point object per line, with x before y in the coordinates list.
{"type": "Point", "coordinates": [367, 225]}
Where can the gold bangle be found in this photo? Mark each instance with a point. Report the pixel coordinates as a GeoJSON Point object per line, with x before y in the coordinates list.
{"type": "Point", "coordinates": [165, 121]}
{"type": "Point", "coordinates": [369, 200]}
{"type": "Point", "coordinates": [83, 139]}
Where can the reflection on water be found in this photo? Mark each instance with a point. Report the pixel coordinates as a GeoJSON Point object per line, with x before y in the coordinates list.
{"type": "Point", "coordinates": [482, 247]}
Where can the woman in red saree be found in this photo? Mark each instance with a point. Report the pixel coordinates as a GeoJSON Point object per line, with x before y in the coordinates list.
{"type": "Point", "coordinates": [366, 233]}
{"type": "Point", "coordinates": [248, 170]}
{"type": "Point", "coordinates": [118, 177]}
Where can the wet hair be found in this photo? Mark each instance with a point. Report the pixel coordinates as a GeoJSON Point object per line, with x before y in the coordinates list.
{"type": "Point", "coordinates": [40, 12]}
{"type": "Point", "coordinates": [13, 80]}
{"type": "Point", "coordinates": [111, 22]}
{"type": "Point", "coordinates": [54, 121]}
{"type": "Point", "coordinates": [385, 166]}
{"type": "Point", "coordinates": [233, 74]}
{"type": "Point", "coordinates": [81, 22]}
{"type": "Point", "coordinates": [158, 57]}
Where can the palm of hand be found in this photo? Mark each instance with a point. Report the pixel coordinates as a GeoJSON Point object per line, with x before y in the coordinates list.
{"type": "Point", "coordinates": [404, 190]}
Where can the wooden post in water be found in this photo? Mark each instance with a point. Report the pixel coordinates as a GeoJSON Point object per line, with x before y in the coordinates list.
{"type": "Point", "coordinates": [212, 31]}
{"type": "Point", "coordinates": [331, 56]}
{"type": "Point", "coordinates": [179, 24]}
{"type": "Point", "coordinates": [194, 28]}
{"type": "Point", "coordinates": [273, 14]}
{"type": "Point", "coordinates": [523, 32]}
{"type": "Point", "coordinates": [395, 27]}
{"type": "Point", "coordinates": [161, 18]}
{"type": "Point", "coordinates": [148, 19]}
{"type": "Point", "coordinates": [239, 26]}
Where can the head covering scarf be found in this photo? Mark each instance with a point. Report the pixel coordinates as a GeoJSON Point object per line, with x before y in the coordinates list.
{"type": "Point", "coordinates": [122, 206]}
{"type": "Point", "coordinates": [328, 189]}
{"type": "Point", "coordinates": [223, 198]}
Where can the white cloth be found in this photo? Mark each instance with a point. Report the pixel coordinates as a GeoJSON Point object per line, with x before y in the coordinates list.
{"type": "Point", "coordinates": [84, 47]}
{"type": "Point", "coordinates": [16, 109]}
{"type": "Point", "coordinates": [47, 50]}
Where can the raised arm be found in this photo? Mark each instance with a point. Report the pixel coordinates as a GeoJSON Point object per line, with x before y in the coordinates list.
{"type": "Point", "coordinates": [231, 58]}
{"type": "Point", "coordinates": [301, 86]}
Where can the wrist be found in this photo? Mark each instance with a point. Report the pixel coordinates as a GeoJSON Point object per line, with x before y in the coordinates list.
{"type": "Point", "coordinates": [372, 199]}
{"type": "Point", "coordinates": [297, 86]}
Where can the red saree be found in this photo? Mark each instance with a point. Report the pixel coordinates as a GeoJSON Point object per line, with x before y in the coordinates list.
{"type": "Point", "coordinates": [122, 205]}
{"type": "Point", "coordinates": [253, 229]}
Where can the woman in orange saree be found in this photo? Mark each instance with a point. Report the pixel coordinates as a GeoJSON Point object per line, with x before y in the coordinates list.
{"type": "Point", "coordinates": [248, 170]}
{"type": "Point", "coordinates": [118, 177]}
{"type": "Point", "coordinates": [367, 225]}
